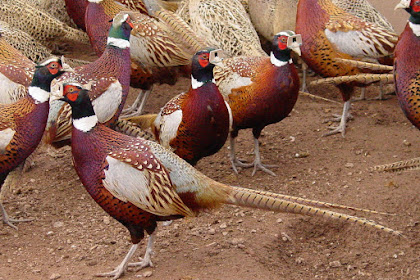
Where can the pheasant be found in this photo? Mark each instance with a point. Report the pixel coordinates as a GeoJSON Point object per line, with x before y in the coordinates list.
{"type": "Point", "coordinates": [260, 91]}
{"type": "Point", "coordinates": [224, 24]}
{"type": "Point", "coordinates": [16, 72]}
{"type": "Point", "coordinates": [161, 44]}
{"type": "Point", "coordinates": [39, 24]}
{"type": "Point", "coordinates": [22, 123]}
{"type": "Point", "coordinates": [138, 182]}
{"type": "Point", "coordinates": [109, 76]}
{"type": "Point", "coordinates": [407, 76]}
{"type": "Point", "coordinates": [194, 124]}
{"type": "Point", "coordinates": [329, 34]}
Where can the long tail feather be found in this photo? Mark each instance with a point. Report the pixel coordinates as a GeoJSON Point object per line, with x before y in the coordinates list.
{"type": "Point", "coordinates": [359, 78]}
{"type": "Point", "coordinates": [404, 165]}
{"type": "Point", "coordinates": [142, 121]}
{"type": "Point", "coordinates": [131, 129]}
{"type": "Point", "coordinates": [316, 203]}
{"type": "Point", "coordinates": [248, 198]}
{"type": "Point", "coordinates": [367, 65]}
{"type": "Point", "coordinates": [318, 97]}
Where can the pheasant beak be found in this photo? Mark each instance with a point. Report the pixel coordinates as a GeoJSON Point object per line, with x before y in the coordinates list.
{"type": "Point", "coordinates": [294, 42]}
{"type": "Point", "coordinates": [66, 67]}
{"type": "Point", "coordinates": [216, 56]}
{"type": "Point", "coordinates": [404, 4]}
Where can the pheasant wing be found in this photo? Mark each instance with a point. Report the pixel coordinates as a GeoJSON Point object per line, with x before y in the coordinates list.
{"type": "Point", "coordinates": [135, 175]}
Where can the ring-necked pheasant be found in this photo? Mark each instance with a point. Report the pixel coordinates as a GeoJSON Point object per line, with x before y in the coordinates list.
{"type": "Point", "coordinates": [22, 123]}
{"type": "Point", "coordinates": [407, 77]}
{"type": "Point", "coordinates": [110, 78]}
{"type": "Point", "coordinates": [162, 44]}
{"type": "Point", "coordinates": [194, 124]}
{"type": "Point", "coordinates": [138, 182]}
{"type": "Point", "coordinates": [260, 91]}
{"type": "Point", "coordinates": [328, 33]}
{"type": "Point", "coordinates": [16, 72]}
{"type": "Point", "coordinates": [224, 24]}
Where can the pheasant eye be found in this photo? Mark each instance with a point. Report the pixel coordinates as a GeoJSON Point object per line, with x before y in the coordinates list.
{"type": "Point", "coordinates": [53, 67]}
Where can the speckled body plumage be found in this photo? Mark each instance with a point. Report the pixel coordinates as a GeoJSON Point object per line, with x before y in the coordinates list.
{"type": "Point", "coordinates": [314, 17]}
{"type": "Point", "coordinates": [139, 182]}
{"type": "Point", "coordinates": [407, 71]}
{"type": "Point", "coordinates": [28, 120]}
{"type": "Point", "coordinates": [204, 126]}
{"type": "Point", "coordinates": [268, 99]}
{"type": "Point", "coordinates": [22, 123]}
{"type": "Point", "coordinates": [328, 32]}
{"type": "Point", "coordinates": [259, 90]}
{"type": "Point", "coordinates": [16, 72]}
{"type": "Point", "coordinates": [76, 10]}
{"type": "Point", "coordinates": [111, 69]}
{"type": "Point", "coordinates": [158, 51]}
{"type": "Point", "coordinates": [91, 172]}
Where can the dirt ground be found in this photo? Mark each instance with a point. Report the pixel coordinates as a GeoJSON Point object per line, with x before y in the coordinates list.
{"type": "Point", "coordinates": [72, 238]}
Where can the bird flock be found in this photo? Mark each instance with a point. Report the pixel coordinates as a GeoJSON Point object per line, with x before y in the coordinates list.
{"type": "Point", "coordinates": [139, 168]}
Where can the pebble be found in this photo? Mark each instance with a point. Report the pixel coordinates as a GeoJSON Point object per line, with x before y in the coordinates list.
{"type": "Point", "coordinates": [349, 165]}
{"type": "Point", "coordinates": [107, 220]}
{"type": "Point", "coordinates": [58, 224]}
{"type": "Point", "coordinates": [335, 264]}
{"type": "Point", "coordinates": [55, 276]}
{"type": "Point", "coordinates": [279, 220]}
{"type": "Point", "coordinates": [147, 273]}
{"type": "Point", "coordinates": [236, 241]}
{"type": "Point", "coordinates": [224, 225]}
{"type": "Point", "coordinates": [212, 231]}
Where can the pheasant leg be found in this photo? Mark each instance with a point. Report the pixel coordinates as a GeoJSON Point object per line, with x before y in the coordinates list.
{"type": "Point", "coordinates": [138, 105]}
{"type": "Point", "coordinates": [257, 160]}
{"type": "Point", "coordinates": [123, 266]}
{"type": "Point", "coordinates": [341, 128]}
{"type": "Point", "coordinates": [9, 221]}
{"type": "Point", "coordinates": [147, 259]}
{"type": "Point", "coordinates": [233, 159]}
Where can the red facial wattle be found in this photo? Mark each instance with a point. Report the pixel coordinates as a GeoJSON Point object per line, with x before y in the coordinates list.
{"type": "Point", "coordinates": [71, 92]}
{"type": "Point", "coordinates": [203, 62]}
{"type": "Point", "coordinates": [282, 42]}
{"type": "Point", "coordinates": [416, 7]}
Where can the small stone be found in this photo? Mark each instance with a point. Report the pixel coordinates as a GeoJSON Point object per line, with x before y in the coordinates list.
{"type": "Point", "coordinates": [253, 231]}
{"type": "Point", "coordinates": [212, 231]}
{"type": "Point", "coordinates": [50, 233]}
{"type": "Point", "coordinates": [279, 220]}
{"type": "Point", "coordinates": [349, 165]}
{"type": "Point", "coordinates": [107, 220]}
{"type": "Point", "coordinates": [299, 260]}
{"type": "Point", "coordinates": [9, 260]}
{"type": "Point", "coordinates": [148, 273]}
{"type": "Point", "coordinates": [224, 233]}
{"type": "Point", "coordinates": [236, 241]}
{"type": "Point", "coordinates": [406, 143]}
{"type": "Point", "coordinates": [58, 224]}
{"type": "Point", "coordinates": [224, 225]}
{"type": "Point", "coordinates": [335, 264]}
{"type": "Point", "coordinates": [55, 276]}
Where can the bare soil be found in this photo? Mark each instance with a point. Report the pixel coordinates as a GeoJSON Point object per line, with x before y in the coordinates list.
{"type": "Point", "coordinates": [72, 238]}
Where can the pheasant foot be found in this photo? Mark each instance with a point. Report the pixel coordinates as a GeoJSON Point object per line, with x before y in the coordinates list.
{"type": "Point", "coordinates": [257, 161]}
{"type": "Point", "coordinates": [137, 107]}
{"type": "Point", "coordinates": [123, 266]}
{"type": "Point", "coordinates": [341, 128]}
{"type": "Point", "coordinates": [146, 261]}
{"type": "Point", "coordinates": [9, 221]}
